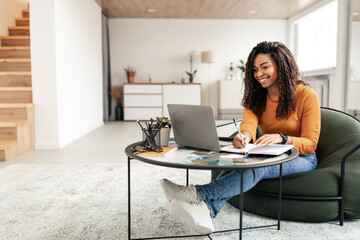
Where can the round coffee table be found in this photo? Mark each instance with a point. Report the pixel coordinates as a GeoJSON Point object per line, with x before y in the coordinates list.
{"type": "Point", "coordinates": [190, 158]}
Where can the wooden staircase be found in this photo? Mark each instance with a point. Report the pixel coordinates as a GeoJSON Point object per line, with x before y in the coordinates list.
{"type": "Point", "coordinates": [17, 130]}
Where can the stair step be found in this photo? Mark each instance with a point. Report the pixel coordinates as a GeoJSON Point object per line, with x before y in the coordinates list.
{"type": "Point", "coordinates": [15, 41]}
{"type": "Point", "coordinates": [14, 52]}
{"type": "Point", "coordinates": [13, 113]}
{"type": "Point", "coordinates": [5, 144]}
{"type": "Point", "coordinates": [12, 122]}
{"type": "Point", "coordinates": [8, 133]}
{"type": "Point", "coordinates": [17, 89]}
{"type": "Point", "coordinates": [16, 105]}
{"type": "Point", "coordinates": [25, 13]}
{"type": "Point", "coordinates": [15, 64]}
{"type": "Point", "coordinates": [19, 31]}
{"type": "Point", "coordinates": [7, 154]}
{"type": "Point", "coordinates": [15, 95]}
{"type": "Point", "coordinates": [15, 79]}
{"type": "Point", "coordinates": [15, 127]}
{"type": "Point", "coordinates": [22, 21]}
{"type": "Point", "coordinates": [8, 149]}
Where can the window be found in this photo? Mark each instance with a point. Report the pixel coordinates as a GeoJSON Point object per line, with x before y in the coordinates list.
{"type": "Point", "coordinates": [316, 38]}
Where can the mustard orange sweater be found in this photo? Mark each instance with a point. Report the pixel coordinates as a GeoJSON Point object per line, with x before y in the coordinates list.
{"type": "Point", "coordinates": [303, 125]}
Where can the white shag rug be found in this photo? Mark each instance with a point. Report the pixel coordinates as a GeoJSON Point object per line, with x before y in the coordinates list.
{"type": "Point", "coordinates": [44, 201]}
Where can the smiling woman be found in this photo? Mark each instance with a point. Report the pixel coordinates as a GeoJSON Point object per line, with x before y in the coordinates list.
{"type": "Point", "coordinates": [286, 111]}
{"type": "Point", "coordinates": [271, 72]}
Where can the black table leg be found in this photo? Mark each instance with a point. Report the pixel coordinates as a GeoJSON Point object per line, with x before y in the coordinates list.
{"type": "Point", "coordinates": [279, 200]}
{"type": "Point", "coordinates": [129, 213]}
{"type": "Point", "coordinates": [241, 202]}
{"type": "Point", "coordinates": [187, 177]}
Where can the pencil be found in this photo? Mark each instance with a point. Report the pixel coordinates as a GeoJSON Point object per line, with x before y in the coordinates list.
{"type": "Point", "coordinates": [238, 129]}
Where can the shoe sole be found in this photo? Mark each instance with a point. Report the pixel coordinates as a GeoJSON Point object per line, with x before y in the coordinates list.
{"type": "Point", "coordinates": [177, 210]}
{"type": "Point", "coordinates": [167, 195]}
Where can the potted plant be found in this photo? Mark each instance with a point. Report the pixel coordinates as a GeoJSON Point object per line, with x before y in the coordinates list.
{"type": "Point", "coordinates": [130, 74]}
{"type": "Point", "coordinates": [241, 66]}
{"type": "Point", "coordinates": [117, 94]}
{"type": "Point", "coordinates": [191, 73]}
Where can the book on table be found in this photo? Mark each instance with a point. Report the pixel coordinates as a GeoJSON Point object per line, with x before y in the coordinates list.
{"type": "Point", "coordinates": [273, 149]}
{"type": "Point", "coordinates": [166, 152]}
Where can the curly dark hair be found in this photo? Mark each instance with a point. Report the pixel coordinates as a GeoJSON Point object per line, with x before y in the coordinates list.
{"type": "Point", "coordinates": [289, 77]}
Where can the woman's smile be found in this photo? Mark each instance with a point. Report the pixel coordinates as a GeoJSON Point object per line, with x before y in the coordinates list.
{"type": "Point", "coordinates": [263, 79]}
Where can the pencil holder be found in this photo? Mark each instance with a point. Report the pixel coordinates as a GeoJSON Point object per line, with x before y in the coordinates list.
{"type": "Point", "coordinates": [161, 138]}
{"type": "Point", "coordinates": [151, 138]}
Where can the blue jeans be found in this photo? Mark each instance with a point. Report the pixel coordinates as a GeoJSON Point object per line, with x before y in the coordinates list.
{"type": "Point", "coordinates": [216, 193]}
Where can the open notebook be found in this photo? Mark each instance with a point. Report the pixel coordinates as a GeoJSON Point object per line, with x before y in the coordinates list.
{"type": "Point", "coordinates": [274, 149]}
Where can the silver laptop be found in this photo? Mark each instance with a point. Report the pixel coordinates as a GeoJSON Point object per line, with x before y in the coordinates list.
{"type": "Point", "coordinates": [194, 126]}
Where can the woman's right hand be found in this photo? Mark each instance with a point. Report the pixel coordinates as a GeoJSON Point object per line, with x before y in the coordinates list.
{"type": "Point", "coordinates": [239, 143]}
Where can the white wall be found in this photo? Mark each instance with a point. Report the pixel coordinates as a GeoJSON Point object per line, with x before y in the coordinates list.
{"type": "Point", "coordinates": [78, 67]}
{"type": "Point", "coordinates": [66, 52]}
{"type": "Point", "coordinates": [9, 10]}
{"type": "Point", "coordinates": [43, 71]}
{"type": "Point", "coordinates": [161, 46]}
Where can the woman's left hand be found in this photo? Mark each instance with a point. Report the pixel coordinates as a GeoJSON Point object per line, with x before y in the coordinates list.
{"type": "Point", "coordinates": [267, 139]}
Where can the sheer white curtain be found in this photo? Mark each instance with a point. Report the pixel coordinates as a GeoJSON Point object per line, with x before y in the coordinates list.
{"type": "Point", "coordinates": [106, 70]}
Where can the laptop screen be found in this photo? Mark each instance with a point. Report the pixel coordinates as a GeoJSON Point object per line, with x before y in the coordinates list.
{"type": "Point", "coordinates": [194, 126]}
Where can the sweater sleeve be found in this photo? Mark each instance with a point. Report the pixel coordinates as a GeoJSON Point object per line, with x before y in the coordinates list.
{"type": "Point", "coordinates": [249, 123]}
{"type": "Point", "coordinates": [310, 124]}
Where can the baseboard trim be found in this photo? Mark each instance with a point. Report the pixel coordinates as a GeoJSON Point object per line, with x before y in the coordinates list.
{"type": "Point", "coordinates": [65, 143]}
{"type": "Point", "coordinates": [81, 134]}
{"type": "Point", "coordinates": [46, 146]}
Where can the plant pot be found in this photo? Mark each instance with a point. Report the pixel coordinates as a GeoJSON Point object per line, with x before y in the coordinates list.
{"type": "Point", "coordinates": [164, 137]}
{"type": "Point", "coordinates": [131, 79]}
{"type": "Point", "coordinates": [118, 112]}
{"type": "Point", "coordinates": [191, 79]}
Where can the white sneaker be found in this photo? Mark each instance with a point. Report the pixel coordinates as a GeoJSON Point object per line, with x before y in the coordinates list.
{"type": "Point", "coordinates": [184, 193]}
{"type": "Point", "coordinates": [196, 216]}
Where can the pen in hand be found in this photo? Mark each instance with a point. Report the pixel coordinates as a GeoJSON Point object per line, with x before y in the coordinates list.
{"type": "Point", "coordinates": [238, 129]}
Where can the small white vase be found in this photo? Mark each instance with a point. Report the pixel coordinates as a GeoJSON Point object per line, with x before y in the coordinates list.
{"type": "Point", "coordinates": [164, 137]}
